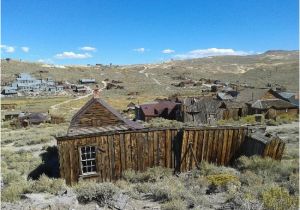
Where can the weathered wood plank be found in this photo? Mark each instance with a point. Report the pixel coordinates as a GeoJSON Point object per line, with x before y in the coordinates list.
{"type": "Point", "coordinates": [229, 152]}
{"type": "Point", "coordinates": [205, 145]}
{"type": "Point", "coordinates": [209, 145]}
{"type": "Point", "coordinates": [111, 157]}
{"type": "Point", "coordinates": [220, 146]}
{"type": "Point", "coordinates": [117, 154]}
{"type": "Point", "coordinates": [189, 157]}
{"type": "Point", "coordinates": [123, 153]}
{"type": "Point", "coordinates": [195, 145]}
{"type": "Point", "coordinates": [162, 139]}
{"type": "Point", "coordinates": [183, 151]}
{"type": "Point", "coordinates": [151, 149]}
{"type": "Point", "coordinates": [224, 148]}
{"type": "Point", "coordinates": [168, 151]}
{"type": "Point", "coordinates": [128, 151]}
{"type": "Point", "coordinates": [199, 145]}
{"type": "Point", "coordinates": [215, 146]}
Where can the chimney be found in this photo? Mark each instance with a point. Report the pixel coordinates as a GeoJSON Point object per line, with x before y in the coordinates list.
{"type": "Point", "coordinates": [96, 92]}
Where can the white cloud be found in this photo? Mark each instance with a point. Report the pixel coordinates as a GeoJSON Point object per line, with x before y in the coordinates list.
{"type": "Point", "coordinates": [25, 49]}
{"type": "Point", "coordinates": [72, 55]}
{"type": "Point", "coordinates": [7, 49]}
{"type": "Point", "coordinates": [87, 48]}
{"type": "Point", "coordinates": [168, 51]}
{"type": "Point", "coordinates": [200, 53]}
{"type": "Point", "coordinates": [140, 50]}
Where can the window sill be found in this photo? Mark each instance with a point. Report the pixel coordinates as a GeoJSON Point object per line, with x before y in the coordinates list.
{"type": "Point", "coordinates": [89, 175]}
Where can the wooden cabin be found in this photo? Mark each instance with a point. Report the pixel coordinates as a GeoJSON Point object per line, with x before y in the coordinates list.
{"type": "Point", "coordinates": [100, 145]}
{"type": "Point", "coordinates": [165, 109]}
{"type": "Point", "coordinates": [271, 108]}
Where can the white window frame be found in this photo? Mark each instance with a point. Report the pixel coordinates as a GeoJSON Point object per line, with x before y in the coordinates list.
{"type": "Point", "coordinates": [88, 159]}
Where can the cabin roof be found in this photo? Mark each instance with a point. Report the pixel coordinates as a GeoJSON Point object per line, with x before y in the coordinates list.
{"type": "Point", "coordinates": [275, 103]}
{"type": "Point", "coordinates": [156, 108]}
{"type": "Point", "coordinates": [251, 94]}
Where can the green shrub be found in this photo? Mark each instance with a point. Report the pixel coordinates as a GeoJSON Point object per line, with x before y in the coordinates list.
{"type": "Point", "coordinates": [101, 193]}
{"type": "Point", "coordinates": [222, 179]}
{"type": "Point", "coordinates": [150, 175]}
{"type": "Point", "coordinates": [278, 198]}
{"type": "Point", "coordinates": [174, 205]}
{"type": "Point", "coordinates": [211, 169]}
{"type": "Point", "coordinates": [271, 122]}
{"type": "Point", "coordinates": [11, 176]}
{"type": "Point", "coordinates": [250, 119]}
{"type": "Point", "coordinates": [269, 169]}
{"type": "Point", "coordinates": [249, 178]}
{"type": "Point", "coordinates": [46, 184]}
{"type": "Point", "coordinates": [13, 191]}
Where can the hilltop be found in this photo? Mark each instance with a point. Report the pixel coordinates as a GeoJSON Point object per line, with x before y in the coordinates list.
{"type": "Point", "coordinates": [275, 67]}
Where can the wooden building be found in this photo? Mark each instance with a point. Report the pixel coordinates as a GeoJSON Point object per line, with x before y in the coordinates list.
{"type": "Point", "coordinates": [272, 108]}
{"type": "Point", "coordinates": [101, 145]}
{"type": "Point", "coordinates": [201, 110]}
{"type": "Point", "coordinates": [166, 109]}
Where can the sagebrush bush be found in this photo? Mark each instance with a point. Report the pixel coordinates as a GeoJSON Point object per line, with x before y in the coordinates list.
{"type": "Point", "coordinates": [174, 205]}
{"type": "Point", "coordinates": [211, 169]}
{"type": "Point", "coordinates": [13, 191]}
{"type": "Point", "coordinates": [150, 175]}
{"type": "Point", "coordinates": [101, 193]}
{"type": "Point", "coordinates": [268, 168]}
{"type": "Point", "coordinates": [46, 184]}
{"type": "Point", "coordinates": [278, 198]}
{"type": "Point", "coordinates": [222, 179]}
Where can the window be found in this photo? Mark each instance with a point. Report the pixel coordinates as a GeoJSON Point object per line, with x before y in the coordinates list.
{"type": "Point", "coordinates": [88, 159]}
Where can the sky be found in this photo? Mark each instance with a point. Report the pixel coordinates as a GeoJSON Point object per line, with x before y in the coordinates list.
{"type": "Point", "coordinates": [144, 31]}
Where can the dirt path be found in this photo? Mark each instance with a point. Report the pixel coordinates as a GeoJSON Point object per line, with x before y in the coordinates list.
{"type": "Point", "coordinates": [78, 98]}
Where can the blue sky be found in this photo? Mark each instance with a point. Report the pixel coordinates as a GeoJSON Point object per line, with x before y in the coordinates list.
{"type": "Point", "coordinates": [144, 31]}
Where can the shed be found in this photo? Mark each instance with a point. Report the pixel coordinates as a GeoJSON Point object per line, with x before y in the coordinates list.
{"type": "Point", "coordinates": [33, 119]}
{"type": "Point", "coordinates": [273, 108]}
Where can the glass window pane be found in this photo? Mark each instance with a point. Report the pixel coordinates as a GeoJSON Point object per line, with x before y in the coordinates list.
{"type": "Point", "coordinates": [94, 168]}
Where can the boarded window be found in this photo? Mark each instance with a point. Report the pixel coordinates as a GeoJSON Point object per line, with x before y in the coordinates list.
{"type": "Point", "coordinates": [88, 159]}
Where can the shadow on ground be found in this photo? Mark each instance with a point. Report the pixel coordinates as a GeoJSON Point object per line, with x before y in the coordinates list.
{"type": "Point", "coordinates": [50, 165]}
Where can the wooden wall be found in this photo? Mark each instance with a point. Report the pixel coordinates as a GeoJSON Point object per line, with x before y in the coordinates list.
{"type": "Point", "coordinates": [214, 145]}
{"type": "Point", "coordinates": [180, 150]}
{"type": "Point", "coordinates": [119, 152]}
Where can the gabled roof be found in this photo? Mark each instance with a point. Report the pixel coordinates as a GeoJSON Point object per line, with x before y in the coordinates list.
{"type": "Point", "coordinates": [275, 103]}
{"type": "Point", "coordinates": [118, 122]}
{"type": "Point", "coordinates": [251, 94]}
{"type": "Point", "coordinates": [157, 108]}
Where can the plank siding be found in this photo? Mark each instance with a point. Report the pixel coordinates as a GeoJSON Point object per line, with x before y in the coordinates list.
{"type": "Point", "coordinates": [139, 150]}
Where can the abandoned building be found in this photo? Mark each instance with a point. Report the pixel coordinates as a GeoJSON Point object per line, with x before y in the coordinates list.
{"type": "Point", "coordinates": [27, 83]}
{"type": "Point", "coordinates": [271, 108]}
{"type": "Point", "coordinates": [27, 119]}
{"type": "Point", "coordinates": [201, 110]}
{"type": "Point", "coordinates": [101, 144]}
{"type": "Point", "coordinates": [87, 81]}
{"type": "Point", "coordinates": [166, 109]}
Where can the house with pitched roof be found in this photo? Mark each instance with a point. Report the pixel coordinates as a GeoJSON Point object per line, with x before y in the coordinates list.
{"type": "Point", "coordinates": [166, 109]}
